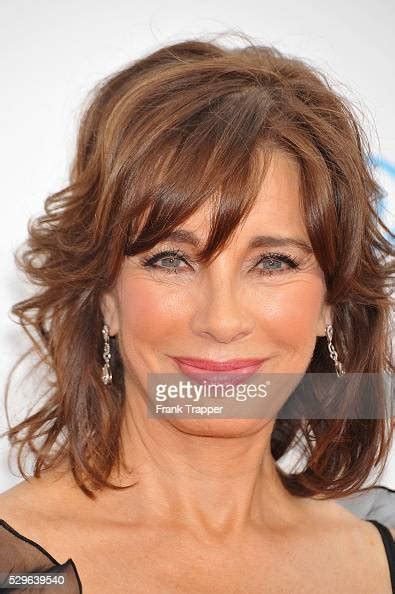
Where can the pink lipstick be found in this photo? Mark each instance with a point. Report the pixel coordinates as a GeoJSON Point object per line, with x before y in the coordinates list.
{"type": "Point", "coordinates": [212, 365]}
{"type": "Point", "coordinates": [232, 371]}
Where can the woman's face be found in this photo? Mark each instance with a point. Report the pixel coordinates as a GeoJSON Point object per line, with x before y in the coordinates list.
{"type": "Point", "coordinates": [242, 305]}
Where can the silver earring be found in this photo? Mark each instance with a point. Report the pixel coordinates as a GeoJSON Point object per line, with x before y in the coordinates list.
{"type": "Point", "coordinates": [106, 369]}
{"type": "Point", "coordinates": [332, 351]}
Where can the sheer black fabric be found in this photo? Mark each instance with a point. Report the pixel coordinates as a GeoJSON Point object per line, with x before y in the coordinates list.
{"type": "Point", "coordinates": [19, 554]}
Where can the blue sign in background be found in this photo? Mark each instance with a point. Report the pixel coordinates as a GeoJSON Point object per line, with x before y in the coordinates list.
{"type": "Point", "coordinates": [388, 204]}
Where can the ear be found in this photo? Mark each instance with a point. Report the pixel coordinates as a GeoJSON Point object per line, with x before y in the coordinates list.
{"type": "Point", "coordinates": [109, 309]}
{"type": "Point", "coordinates": [324, 319]}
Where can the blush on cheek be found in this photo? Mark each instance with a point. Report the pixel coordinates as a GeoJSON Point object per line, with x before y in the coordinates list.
{"type": "Point", "coordinates": [137, 307]}
{"type": "Point", "coordinates": [147, 309]}
{"type": "Point", "coordinates": [294, 310]}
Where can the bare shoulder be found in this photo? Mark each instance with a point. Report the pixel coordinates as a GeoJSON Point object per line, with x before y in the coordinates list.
{"type": "Point", "coordinates": [20, 500]}
{"type": "Point", "coordinates": [35, 494]}
{"type": "Point", "coordinates": [353, 541]}
{"type": "Point", "coordinates": [39, 509]}
{"type": "Point", "coordinates": [334, 518]}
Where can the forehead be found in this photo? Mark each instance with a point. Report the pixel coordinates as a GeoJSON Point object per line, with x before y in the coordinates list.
{"type": "Point", "coordinates": [277, 209]}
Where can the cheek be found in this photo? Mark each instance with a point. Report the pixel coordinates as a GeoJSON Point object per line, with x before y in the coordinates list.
{"type": "Point", "coordinates": [148, 309]}
{"type": "Point", "coordinates": [293, 310]}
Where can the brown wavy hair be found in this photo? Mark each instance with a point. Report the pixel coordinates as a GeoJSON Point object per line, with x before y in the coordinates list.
{"type": "Point", "coordinates": [191, 122]}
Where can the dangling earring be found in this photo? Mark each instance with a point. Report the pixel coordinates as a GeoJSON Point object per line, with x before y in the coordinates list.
{"type": "Point", "coordinates": [106, 369]}
{"type": "Point", "coordinates": [332, 351]}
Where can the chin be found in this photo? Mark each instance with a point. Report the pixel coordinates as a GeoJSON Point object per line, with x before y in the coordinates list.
{"type": "Point", "coordinates": [219, 427]}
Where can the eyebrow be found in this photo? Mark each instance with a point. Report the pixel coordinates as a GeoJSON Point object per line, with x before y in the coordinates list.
{"type": "Point", "coordinates": [259, 241]}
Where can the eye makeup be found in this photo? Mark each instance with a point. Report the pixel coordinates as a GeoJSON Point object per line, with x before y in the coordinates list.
{"type": "Point", "coordinates": [271, 258]}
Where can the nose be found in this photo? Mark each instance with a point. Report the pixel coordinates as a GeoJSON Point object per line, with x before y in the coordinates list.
{"type": "Point", "coordinates": [220, 313]}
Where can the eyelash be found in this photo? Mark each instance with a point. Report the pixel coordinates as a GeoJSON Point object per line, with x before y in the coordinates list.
{"type": "Point", "coordinates": [150, 261]}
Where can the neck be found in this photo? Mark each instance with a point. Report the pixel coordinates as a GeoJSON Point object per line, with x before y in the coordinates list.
{"type": "Point", "coordinates": [207, 483]}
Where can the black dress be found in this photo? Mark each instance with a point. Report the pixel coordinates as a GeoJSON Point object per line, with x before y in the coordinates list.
{"type": "Point", "coordinates": [19, 554]}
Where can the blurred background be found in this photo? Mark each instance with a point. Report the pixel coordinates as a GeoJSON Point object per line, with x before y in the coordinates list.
{"type": "Point", "coordinates": [52, 54]}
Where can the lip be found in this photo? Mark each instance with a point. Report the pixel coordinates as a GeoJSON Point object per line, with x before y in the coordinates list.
{"type": "Point", "coordinates": [229, 375]}
{"type": "Point", "coordinates": [212, 365]}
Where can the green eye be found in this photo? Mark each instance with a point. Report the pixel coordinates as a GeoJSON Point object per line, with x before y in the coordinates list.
{"type": "Point", "coordinates": [172, 256]}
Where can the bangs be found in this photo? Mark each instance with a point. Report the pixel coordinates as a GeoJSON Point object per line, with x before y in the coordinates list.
{"type": "Point", "coordinates": [216, 159]}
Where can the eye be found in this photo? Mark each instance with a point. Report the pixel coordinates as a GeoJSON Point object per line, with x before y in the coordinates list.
{"type": "Point", "coordinates": [274, 261]}
{"type": "Point", "coordinates": [169, 259]}
{"type": "Point", "coordinates": [169, 256]}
